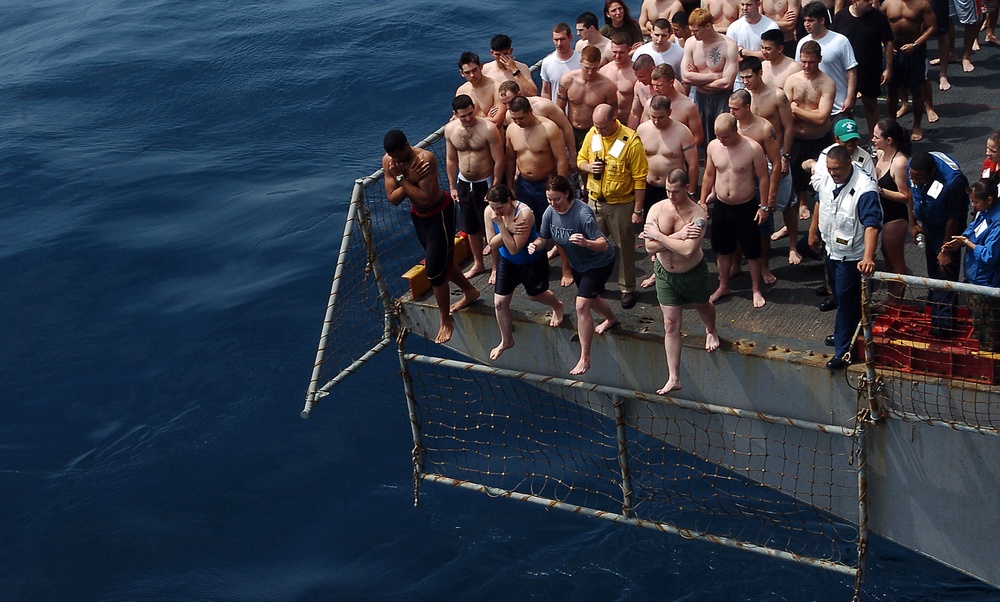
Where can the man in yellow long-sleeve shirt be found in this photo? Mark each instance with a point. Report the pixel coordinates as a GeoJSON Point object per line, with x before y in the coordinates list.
{"type": "Point", "coordinates": [613, 156]}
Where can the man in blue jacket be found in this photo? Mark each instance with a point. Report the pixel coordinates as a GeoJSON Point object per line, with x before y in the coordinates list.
{"type": "Point", "coordinates": [941, 206]}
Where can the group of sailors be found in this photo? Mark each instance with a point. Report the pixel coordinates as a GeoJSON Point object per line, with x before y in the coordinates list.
{"type": "Point", "coordinates": [607, 148]}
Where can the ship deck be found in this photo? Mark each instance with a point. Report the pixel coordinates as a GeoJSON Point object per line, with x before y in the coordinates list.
{"type": "Point", "coordinates": [791, 318]}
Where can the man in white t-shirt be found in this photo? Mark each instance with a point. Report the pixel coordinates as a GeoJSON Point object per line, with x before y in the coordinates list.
{"type": "Point", "coordinates": [746, 32]}
{"type": "Point", "coordinates": [563, 60]}
{"type": "Point", "coordinates": [661, 49]}
{"type": "Point", "coordinates": [838, 57]}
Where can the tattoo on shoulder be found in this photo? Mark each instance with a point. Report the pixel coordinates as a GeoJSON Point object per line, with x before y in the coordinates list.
{"type": "Point", "coordinates": [773, 135]}
{"type": "Point", "coordinates": [687, 148]}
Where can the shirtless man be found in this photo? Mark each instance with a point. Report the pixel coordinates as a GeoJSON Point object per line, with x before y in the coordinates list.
{"type": "Point", "coordinates": [669, 145]}
{"type": "Point", "coordinates": [582, 90]}
{"type": "Point", "coordinates": [619, 71]}
{"type": "Point", "coordinates": [587, 28]}
{"type": "Point", "coordinates": [732, 162]}
{"type": "Point", "coordinates": [762, 132]}
{"type": "Point", "coordinates": [643, 91]}
{"type": "Point", "coordinates": [682, 108]}
{"type": "Point", "coordinates": [680, 28]}
{"type": "Point", "coordinates": [810, 94]}
{"type": "Point", "coordinates": [786, 14]}
{"type": "Point", "coordinates": [777, 66]}
{"type": "Point", "coordinates": [674, 231]}
{"type": "Point", "coordinates": [724, 12]}
{"type": "Point", "coordinates": [481, 89]}
{"type": "Point", "coordinates": [542, 107]}
{"type": "Point", "coordinates": [474, 161]}
{"type": "Point", "coordinates": [912, 23]}
{"type": "Point", "coordinates": [772, 104]}
{"type": "Point", "coordinates": [652, 10]}
{"type": "Point", "coordinates": [504, 68]}
{"type": "Point", "coordinates": [536, 149]}
{"type": "Point", "coordinates": [710, 65]}
{"type": "Point", "coordinates": [412, 173]}
{"type": "Point", "coordinates": [837, 61]}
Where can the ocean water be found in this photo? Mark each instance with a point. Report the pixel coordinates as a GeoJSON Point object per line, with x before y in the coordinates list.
{"type": "Point", "coordinates": [174, 178]}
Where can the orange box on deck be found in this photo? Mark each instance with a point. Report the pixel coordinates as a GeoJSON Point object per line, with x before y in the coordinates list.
{"type": "Point", "coordinates": [417, 275]}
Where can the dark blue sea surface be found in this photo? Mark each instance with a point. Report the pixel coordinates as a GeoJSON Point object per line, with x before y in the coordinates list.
{"type": "Point", "coordinates": [174, 178]}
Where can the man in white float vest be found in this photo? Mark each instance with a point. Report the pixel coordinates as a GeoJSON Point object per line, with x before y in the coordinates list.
{"type": "Point", "coordinates": [848, 218]}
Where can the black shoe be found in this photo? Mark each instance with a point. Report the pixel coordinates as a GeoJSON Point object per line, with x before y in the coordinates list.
{"type": "Point", "coordinates": [628, 300]}
{"type": "Point", "coordinates": [829, 340]}
{"type": "Point", "coordinates": [835, 364]}
{"type": "Point", "coordinates": [828, 304]}
{"type": "Point", "coordinates": [822, 291]}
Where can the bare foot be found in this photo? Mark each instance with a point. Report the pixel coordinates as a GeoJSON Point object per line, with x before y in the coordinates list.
{"type": "Point", "coordinates": [769, 277]}
{"type": "Point", "coordinates": [580, 367]}
{"type": "Point", "coordinates": [720, 293]}
{"type": "Point", "coordinates": [566, 280]}
{"type": "Point", "coordinates": [758, 300]}
{"type": "Point", "coordinates": [903, 110]}
{"type": "Point", "coordinates": [466, 300]}
{"type": "Point", "coordinates": [804, 213]}
{"type": "Point", "coordinates": [671, 385]}
{"type": "Point", "coordinates": [711, 341]}
{"type": "Point", "coordinates": [475, 270]}
{"type": "Point", "coordinates": [606, 326]}
{"type": "Point", "coordinates": [486, 251]}
{"type": "Point", "coordinates": [975, 43]}
{"type": "Point", "coordinates": [967, 65]}
{"type": "Point", "coordinates": [782, 233]}
{"type": "Point", "coordinates": [944, 84]}
{"type": "Point", "coordinates": [493, 277]}
{"type": "Point", "coordinates": [735, 271]}
{"type": "Point", "coordinates": [932, 116]}
{"type": "Point", "coordinates": [444, 333]}
{"type": "Point", "coordinates": [499, 349]}
{"type": "Point", "coordinates": [793, 257]}
{"type": "Point", "coordinates": [917, 134]}
{"type": "Point", "coordinates": [648, 282]}
{"type": "Point", "coordinates": [553, 252]}
{"type": "Point", "coordinates": [557, 316]}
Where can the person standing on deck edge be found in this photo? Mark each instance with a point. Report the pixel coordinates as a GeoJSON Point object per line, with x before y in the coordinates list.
{"type": "Point", "coordinates": [413, 173]}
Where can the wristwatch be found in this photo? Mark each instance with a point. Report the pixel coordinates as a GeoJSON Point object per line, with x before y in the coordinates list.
{"type": "Point", "coordinates": [765, 208]}
{"type": "Point", "coordinates": [399, 179]}
{"type": "Point", "coordinates": [638, 212]}
{"type": "Point", "coordinates": [516, 73]}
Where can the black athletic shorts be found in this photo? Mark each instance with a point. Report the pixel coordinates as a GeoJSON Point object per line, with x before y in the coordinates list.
{"type": "Point", "coordinates": [534, 276]}
{"type": "Point", "coordinates": [436, 233]}
{"type": "Point", "coordinates": [472, 202]}
{"type": "Point", "coordinates": [736, 223]}
{"type": "Point", "coordinates": [590, 284]}
{"type": "Point", "coordinates": [803, 149]}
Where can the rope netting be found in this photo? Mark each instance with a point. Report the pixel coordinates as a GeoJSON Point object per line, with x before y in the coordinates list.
{"type": "Point", "coordinates": [936, 348]}
{"type": "Point", "coordinates": [599, 451]}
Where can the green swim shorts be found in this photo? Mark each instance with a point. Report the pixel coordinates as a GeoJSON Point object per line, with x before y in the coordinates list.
{"type": "Point", "coordinates": [678, 289]}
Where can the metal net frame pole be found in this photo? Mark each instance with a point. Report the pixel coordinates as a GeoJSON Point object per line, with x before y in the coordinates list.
{"type": "Point", "coordinates": [867, 327]}
{"type": "Point", "coordinates": [948, 285]}
{"type": "Point", "coordinates": [495, 492]}
{"type": "Point", "coordinates": [862, 457]}
{"type": "Point", "coordinates": [623, 455]}
{"type": "Point", "coordinates": [359, 213]}
{"type": "Point", "coordinates": [411, 407]}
